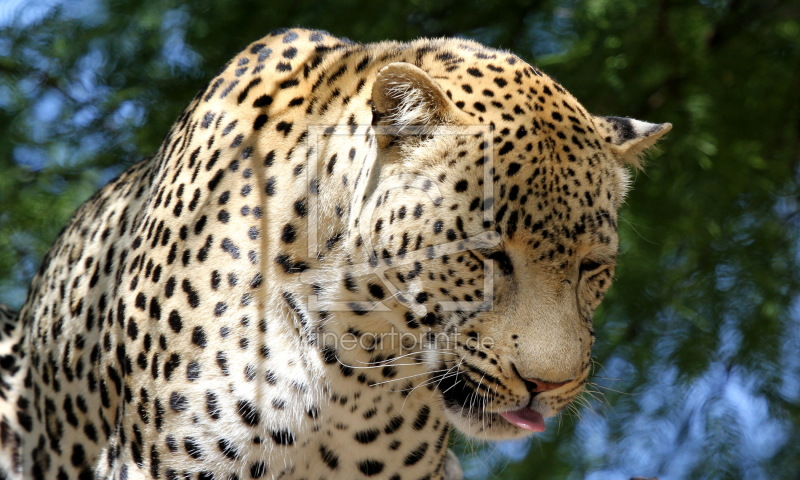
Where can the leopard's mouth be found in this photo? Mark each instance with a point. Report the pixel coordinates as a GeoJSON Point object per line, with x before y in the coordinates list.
{"type": "Point", "coordinates": [469, 407]}
{"type": "Point", "coordinates": [525, 418]}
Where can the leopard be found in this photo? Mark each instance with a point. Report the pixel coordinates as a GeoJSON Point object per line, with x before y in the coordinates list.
{"type": "Point", "coordinates": [340, 254]}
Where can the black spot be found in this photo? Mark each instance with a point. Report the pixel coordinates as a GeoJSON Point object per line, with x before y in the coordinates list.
{"type": "Point", "coordinates": [260, 121]}
{"type": "Point", "coordinates": [227, 449]}
{"type": "Point", "coordinates": [222, 363]}
{"type": "Point", "coordinates": [155, 461]}
{"type": "Point", "coordinates": [394, 424]}
{"type": "Point", "coordinates": [367, 436]}
{"type": "Point", "coordinates": [253, 233]}
{"type": "Point", "coordinates": [155, 309]}
{"type": "Point", "coordinates": [178, 402]}
{"type": "Point", "coordinates": [346, 371]}
{"type": "Point", "coordinates": [192, 448]}
{"type": "Point", "coordinates": [330, 458]}
{"type": "Point", "coordinates": [212, 405]}
{"type": "Point", "coordinates": [141, 301]}
{"type": "Point", "coordinates": [416, 455]}
{"type": "Point", "coordinates": [283, 437]}
{"type": "Point", "coordinates": [212, 184]}
{"type": "Point", "coordinates": [376, 290]}
{"type": "Point", "coordinates": [430, 319]}
{"type": "Point", "coordinates": [289, 234]}
{"type": "Point", "coordinates": [78, 455]}
{"type": "Point", "coordinates": [171, 364]}
{"type": "Point", "coordinates": [192, 371]}
{"type": "Point", "coordinates": [191, 293]}
{"type": "Point", "coordinates": [349, 282]}
{"type": "Point", "coordinates": [289, 265]}
{"type": "Point", "coordinates": [411, 321]}
{"type": "Point", "coordinates": [358, 308]}
{"type": "Point", "coordinates": [262, 101]}
{"type": "Point", "coordinates": [290, 37]}
{"type": "Point", "coordinates": [248, 412]}
{"type": "Point", "coordinates": [172, 443]}
{"type": "Point", "coordinates": [300, 208]}
{"type": "Point", "coordinates": [461, 186]}
{"type": "Point", "coordinates": [199, 337]}
{"type": "Point", "coordinates": [258, 469]}
{"type": "Point", "coordinates": [370, 467]}
{"type": "Point", "coordinates": [207, 119]}
{"type": "Point", "coordinates": [269, 158]}
{"type": "Point", "coordinates": [418, 211]}
{"type": "Point", "coordinates": [175, 321]}
{"type": "Point", "coordinates": [331, 164]}
{"type": "Point", "coordinates": [284, 127]}
{"type": "Point", "coordinates": [328, 354]}
{"type": "Point", "coordinates": [422, 418]}
{"type": "Point", "coordinates": [230, 247]}
{"type": "Point", "coordinates": [133, 329]}
{"type": "Point", "coordinates": [269, 186]}
{"type": "Point", "coordinates": [246, 90]}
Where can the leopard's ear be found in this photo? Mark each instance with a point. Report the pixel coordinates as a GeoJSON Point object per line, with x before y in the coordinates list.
{"type": "Point", "coordinates": [406, 100]}
{"type": "Point", "coordinates": [629, 138]}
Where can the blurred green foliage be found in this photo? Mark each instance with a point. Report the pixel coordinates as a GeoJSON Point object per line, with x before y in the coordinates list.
{"type": "Point", "coordinates": [698, 367]}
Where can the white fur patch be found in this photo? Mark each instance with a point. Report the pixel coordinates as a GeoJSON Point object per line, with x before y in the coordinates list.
{"type": "Point", "coordinates": [413, 108]}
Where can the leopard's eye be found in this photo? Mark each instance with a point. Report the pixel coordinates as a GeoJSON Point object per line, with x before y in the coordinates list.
{"type": "Point", "coordinates": [588, 265]}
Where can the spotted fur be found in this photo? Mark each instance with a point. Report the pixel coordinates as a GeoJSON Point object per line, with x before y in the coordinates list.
{"type": "Point", "coordinates": [193, 319]}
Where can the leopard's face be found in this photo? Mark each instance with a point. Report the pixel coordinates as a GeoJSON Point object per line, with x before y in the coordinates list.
{"type": "Point", "coordinates": [501, 243]}
{"type": "Point", "coordinates": [526, 352]}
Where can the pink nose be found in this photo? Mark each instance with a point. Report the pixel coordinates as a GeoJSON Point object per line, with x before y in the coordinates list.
{"type": "Point", "coordinates": [538, 386]}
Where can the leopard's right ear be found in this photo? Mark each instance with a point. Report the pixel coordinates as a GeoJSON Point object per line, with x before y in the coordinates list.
{"type": "Point", "coordinates": [406, 100]}
{"type": "Point", "coordinates": [630, 138]}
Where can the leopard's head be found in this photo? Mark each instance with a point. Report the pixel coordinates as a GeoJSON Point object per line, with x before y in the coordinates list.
{"type": "Point", "coordinates": [496, 196]}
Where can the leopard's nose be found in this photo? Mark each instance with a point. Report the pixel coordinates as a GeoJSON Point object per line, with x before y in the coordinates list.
{"type": "Point", "coordinates": [535, 385]}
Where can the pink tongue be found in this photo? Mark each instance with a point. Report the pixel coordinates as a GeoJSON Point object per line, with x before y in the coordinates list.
{"type": "Point", "coordinates": [525, 418]}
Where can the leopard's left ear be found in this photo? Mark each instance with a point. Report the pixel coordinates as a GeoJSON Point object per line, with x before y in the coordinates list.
{"type": "Point", "coordinates": [630, 138]}
{"type": "Point", "coordinates": [405, 96]}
